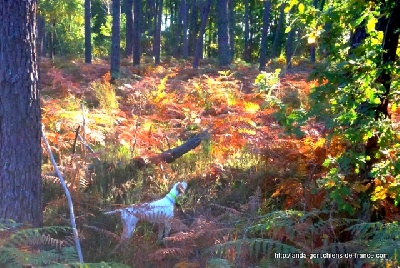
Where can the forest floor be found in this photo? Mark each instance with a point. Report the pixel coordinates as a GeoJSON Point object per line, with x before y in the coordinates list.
{"type": "Point", "coordinates": [247, 165]}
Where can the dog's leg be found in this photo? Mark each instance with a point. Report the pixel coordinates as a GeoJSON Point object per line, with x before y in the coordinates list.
{"type": "Point", "coordinates": [161, 227]}
{"type": "Point", "coordinates": [129, 224]}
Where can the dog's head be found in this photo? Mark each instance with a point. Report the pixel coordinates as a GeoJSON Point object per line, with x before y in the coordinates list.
{"type": "Point", "coordinates": [180, 187]}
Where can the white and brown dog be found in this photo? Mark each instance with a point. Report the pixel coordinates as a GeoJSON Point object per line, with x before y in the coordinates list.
{"type": "Point", "coordinates": [160, 211]}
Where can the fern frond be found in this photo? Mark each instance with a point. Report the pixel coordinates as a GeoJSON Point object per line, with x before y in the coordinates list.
{"type": "Point", "coordinates": [257, 247]}
{"type": "Point", "coordinates": [102, 231]}
{"type": "Point", "coordinates": [35, 247]}
{"type": "Point", "coordinates": [164, 253]}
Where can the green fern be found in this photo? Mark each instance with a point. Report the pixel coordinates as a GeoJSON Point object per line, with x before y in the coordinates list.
{"type": "Point", "coordinates": [302, 234]}
{"type": "Point", "coordinates": [34, 246]}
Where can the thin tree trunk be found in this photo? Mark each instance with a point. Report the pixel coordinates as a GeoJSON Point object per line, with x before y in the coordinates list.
{"type": "Point", "coordinates": [88, 32]}
{"type": "Point", "coordinates": [390, 27]}
{"type": "Point", "coordinates": [52, 40]}
{"type": "Point", "coordinates": [157, 32]}
{"type": "Point", "coordinates": [223, 34]}
{"type": "Point", "coordinates": [313, 45]}
{"type": "Point", "coordinates": [246, 54]}
{"type": "Point", "coordinates": [20, 116]}
{"type": "Point", "coordinates": [115, 39]}
{"type": "Point", "coordinates": [193, 26]}
{"type": "Point", "coordinates": [185, 41]}
{"type": "Point", "coordinates": [231, 7]}
{"type": "Point", "coordinates": [137, 31]}
{"type": "Point", "coordinates": [129, 28]}
{"type": "Point", "coordinates": [179, 22]}
{"type": "Point", "coordinates": [274, 49]}
{"type": "Point", "coordinates": [289, 44]}
{"type": "Point", "coordinates": [289, 48]}
{"type": "Point", "coordinates": [205, 10]}
{"type": "Point", "coordinates": [41, 40]}
{"type": "Point", "coordinates": [264, 36]}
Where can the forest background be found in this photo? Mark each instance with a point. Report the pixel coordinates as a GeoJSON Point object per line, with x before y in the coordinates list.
{"type": "Point", "coordinates": [293, 107]}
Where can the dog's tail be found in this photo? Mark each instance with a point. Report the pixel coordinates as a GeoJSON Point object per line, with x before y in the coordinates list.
{"type": "Point", "coordinates": [112, 212]}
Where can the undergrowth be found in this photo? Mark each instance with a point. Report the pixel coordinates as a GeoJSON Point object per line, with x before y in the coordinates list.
{"type": "Point", "coordinates": [253, 188]}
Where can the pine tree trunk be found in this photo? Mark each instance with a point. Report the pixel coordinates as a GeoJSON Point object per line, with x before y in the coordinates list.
{"type": "Point", "coordinates": [274, 49]}
{"type": "Point", "coordinates": [312, 45]}
{"type": "Point", "coordinates": [246, 53]}
{"type": "Point", "coordinates": [157, 32]}
{"type": "Point", "coordinates": [129, 28]}
{"type": "Point", "coordinates": [264, 35]}
{"type": "Point", "coordinates": [179, 22]}
{"type": "Point", "coordinates": [185, 40]}
{"type": "Point", "coordinates": [20, 128]}
{"type": "Point", "coordinates": [223, 34]}
{"type": "Point", "coordinates": [137, 28]}
{"type": "Point", "coordinates": [115, 39]}
{"type": "Point", "coordinates": [193, 26]}
{"type": "Point", "coordinates": [88, 32]}
{"type": "Point", "coordinates": [231, 6]}
{"type": "Point", "coordinates": [198, 52]}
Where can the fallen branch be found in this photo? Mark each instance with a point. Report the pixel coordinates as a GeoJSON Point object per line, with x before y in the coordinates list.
{"type": "Point", "coordinates": [69, 199]}
{"type": "Point", "coordinates": [171, 155]}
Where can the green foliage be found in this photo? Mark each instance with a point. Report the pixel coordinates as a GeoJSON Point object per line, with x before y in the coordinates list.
{"type": "Point", "coordinates": [65, 20]}
{"type": "Point", "coordinates": [300, 234]}
{"type": "Point", "coordinates": [105, 94]}
{"type": "Point", "coordinates": [37, 247]}
{"type": "Point", "coordinates": [268, 83]}
{"type": "Point", "coordinates": [346, 100]}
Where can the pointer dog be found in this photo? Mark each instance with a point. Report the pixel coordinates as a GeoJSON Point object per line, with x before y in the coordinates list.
{"type": "Point", "coordinates": [160, 211]}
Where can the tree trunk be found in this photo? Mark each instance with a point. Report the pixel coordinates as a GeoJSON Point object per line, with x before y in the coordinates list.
{"type": "Point", "coordinates": [179, 22]}
{"type": "Point", "coordinates": [289, 44]}
{"type": "Point", "coordinates": [20, 128]}
{"type": "Point", "coordinates": [157, 32]}
{"type": "Point", "coordinates": [264, 35]}
{"type": "Point", "coordinates": [274, 49]}
{"type": "Point", "coordinates": [246, 54]}
{"type": "Point", "coordinates": [137, 28]}
{"type": "Point", "coordinates": [198, 51]}
{"type": "Point", "coordinates": [390, 27]}
{"type": "Point", "coordinates": [193, 26]}
{"type": "Point", "coordinates": [88, 32]}
{"type": "Point", "coordinates": [185, 40]}
{"type": "Point", "coordinates": [313, 45]}
{"type": "Point", "coordinates": [223, 34]}
{"type": "Point", "coordinates": [52, 47]}
{"type": "Point", "coordinates": [231, 7]}
{"type": "Point", "coordinates": [115, 39]}
{"type": "Point", "coordinates": [41, 39]}
{"type": "Point", "coordinates": [129, 28]}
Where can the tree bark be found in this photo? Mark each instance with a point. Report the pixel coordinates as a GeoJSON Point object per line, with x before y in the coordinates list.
{"type": "Point", "coordinates": [115, 39]}
{"type": "Point", "coordinates": [137, 29]}
{"type": "Point", "coordinates": [246, 53]}
{"type": "Point", "coordinates": [313, 45]}
{"type": "Point", "coordinates": [274, 50]}
{"type": "Point", "coordinates": [390, 27]}
{"type": "Point", "coordinates": [182, 13]}
{"type": "Point", "coordinates": [88, 32]}
{"type": "Point", "coordinates": [198, 51]}
{"type": "Point", "coordinates": [185, 40]}
{"type": "Point", "coordinates": [223, 34]}
{"type": "Point", "coordinates": [193, 25]}
{"type": "Point", "coordinates": [129, 28]}
{"type": "Point", "coordinates": [231, 18]}
{"type": "Point", "coordinates": [171, 155]}
{"type": "Point", "coordinates": [157, 32]}
{"type": "Point", "coordinates": [20, 117]}
{"type": "Point", "coordinates": [264, 35]}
